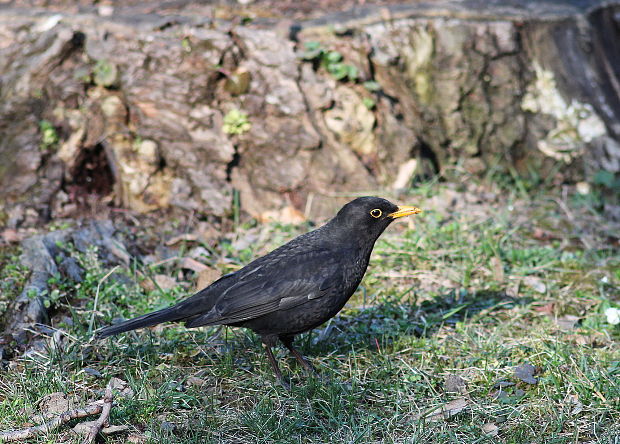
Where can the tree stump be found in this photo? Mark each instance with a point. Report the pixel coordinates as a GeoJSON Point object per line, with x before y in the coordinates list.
{"type": "Point", "coordinates": [169, 107]}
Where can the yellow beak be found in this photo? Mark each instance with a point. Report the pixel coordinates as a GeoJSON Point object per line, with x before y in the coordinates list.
{"type": "Point", "coordinates": [404, 210]}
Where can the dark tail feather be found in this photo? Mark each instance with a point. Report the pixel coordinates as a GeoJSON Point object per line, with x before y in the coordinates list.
{"type": "Point", "coordinates": [186, 310]}
{"type": "Point", "coordinates": [147, 320]}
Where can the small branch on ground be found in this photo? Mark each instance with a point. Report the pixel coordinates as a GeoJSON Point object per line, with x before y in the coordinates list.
{"type": "Point", "coordinates": [102, 407]}
{"type": "Point", "coordinates": [103, 419]}
{"type": "Point", "coordinates": [20, 435]}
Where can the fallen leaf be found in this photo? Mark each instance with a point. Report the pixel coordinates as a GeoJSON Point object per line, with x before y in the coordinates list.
{"type": "Point", "coordinates": [490, 429]}
{"type": "Point", "coordinates": [545, 309]}
{"type": "Point", "coordinates": [206, 277]}
{"type": "Point", "coordinates": [525, 372]}
{"type": "Point", "coordinates": [535, 283]}
{"type": "Point", "coordinates": [192, 264]}
{"type": "Point", "coordinates": [447, 410]}
{"type": "Point", "coordinates": [164, 281]}
{"type": "Point", "coordinates": [544, 235]}
{"type": "Point", "coordinates": [455, 384]}
{"type": "Point", "coordinates": [198, 382]}
{"type": "Point", "coordinates": [92, 372]}
{"type": "Point", "coordinates": [121, 387]}
{"type": "Point", "coordinates": [518, 393]}
{"type": "Point", "coordinates": [147, 284]}
{"type": "Point", "coordinates": [567, 322]}
{"type": "Point", "coordinates": [189, 237]}
{"type": "Point", "coordinates": [573, 401]}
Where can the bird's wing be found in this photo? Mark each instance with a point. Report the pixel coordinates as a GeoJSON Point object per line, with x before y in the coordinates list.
{"type": "Point", "coordinates": [280, 283]}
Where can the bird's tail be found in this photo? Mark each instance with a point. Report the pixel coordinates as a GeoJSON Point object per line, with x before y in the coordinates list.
{"type": "Point", "coordinates": [187, 310]}
{"type": "Point", "coordinates": [147, 320]}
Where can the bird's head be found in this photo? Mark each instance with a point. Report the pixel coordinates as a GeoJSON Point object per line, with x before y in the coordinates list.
{"type": "Point", "coordinates": [369, 216]}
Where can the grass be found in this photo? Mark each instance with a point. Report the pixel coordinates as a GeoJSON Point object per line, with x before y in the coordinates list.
{"type": "Point", "coordinates": [474, 287]}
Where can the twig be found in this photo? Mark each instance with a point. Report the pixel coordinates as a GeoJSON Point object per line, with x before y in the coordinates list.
{"type": "Point", "coordinates": [103, 419]}
{"type": "Point", "coordinates": [20, 435]}
{"type": "Point", "coordinates": [102, 407]}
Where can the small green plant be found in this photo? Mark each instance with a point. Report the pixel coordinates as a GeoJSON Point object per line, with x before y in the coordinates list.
{"type": "Point", "coordinates": [369, 103]}
{"type": "Point", "coordinates": [187, 46]}
{"type": "Point", "coordinates": [331, 61]}
{"type": "Point", "coordinates": [105, 73]}
{"type": "Point", "coordinates": [49, 136]}
{"type": "Point", "coordinates": [236, 122]}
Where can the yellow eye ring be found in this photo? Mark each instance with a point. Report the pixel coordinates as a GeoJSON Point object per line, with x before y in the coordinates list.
{"type": "Point", "coordinates": [376, 213]}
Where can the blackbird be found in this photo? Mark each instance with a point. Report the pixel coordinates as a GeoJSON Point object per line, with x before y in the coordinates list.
{"type": "Point", "coordinates": [293, 289]}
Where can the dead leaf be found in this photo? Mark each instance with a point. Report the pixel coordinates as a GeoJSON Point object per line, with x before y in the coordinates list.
{"type": "Point", "coordinates": [567, 322]}
{"type": "Point", "coordinates": [147, 284]}
{"type": "Point", "coordinates": [545, 309]}
{"type": "Point", "coordinates": [535, 283]}
{"type": "Point", "coordinates": [206, 277]}
{"type": "Point", "coordinates": [164, 281]}
{"type": "Point", "coordinates": [573, 401]}
{"type": "Point", "coordinates": [490, 429]}
{"type": "Point", "coordinates": [198, 382]}
{"type": "Point", "coordinates": [192, 264]}
{"type": "Point", "coordinates": [455, 384]}
{"type": "Point", "coordinates": [497, 267]}
{"type": "Point", "coordinates": [544, 235]}
{"type": "Point", "coordinates": [446, 411]}
{"type": "Point", "coordinates": [188, 237]}
{"type": "Point", "coordinates": [525, 372]}
{"type": "Point", "coordinates": [92, 372]}
{"type": "Point", "coordinates": [518, 393]}
{"type": "Point", "coordinates": [121, 387]}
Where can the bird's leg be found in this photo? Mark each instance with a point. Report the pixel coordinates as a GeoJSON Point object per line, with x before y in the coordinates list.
{"type": "Point", "coordinates": [288, 343]}
{"type": "Point", "coordinates": [268, 343]}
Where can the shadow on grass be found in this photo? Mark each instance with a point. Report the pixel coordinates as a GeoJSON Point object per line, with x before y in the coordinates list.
{"type": "Point", "coordinates": [391, 319]}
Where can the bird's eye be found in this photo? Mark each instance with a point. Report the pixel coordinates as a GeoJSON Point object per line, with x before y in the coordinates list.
{"type": "Point", "coordinates": [376, 213]}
